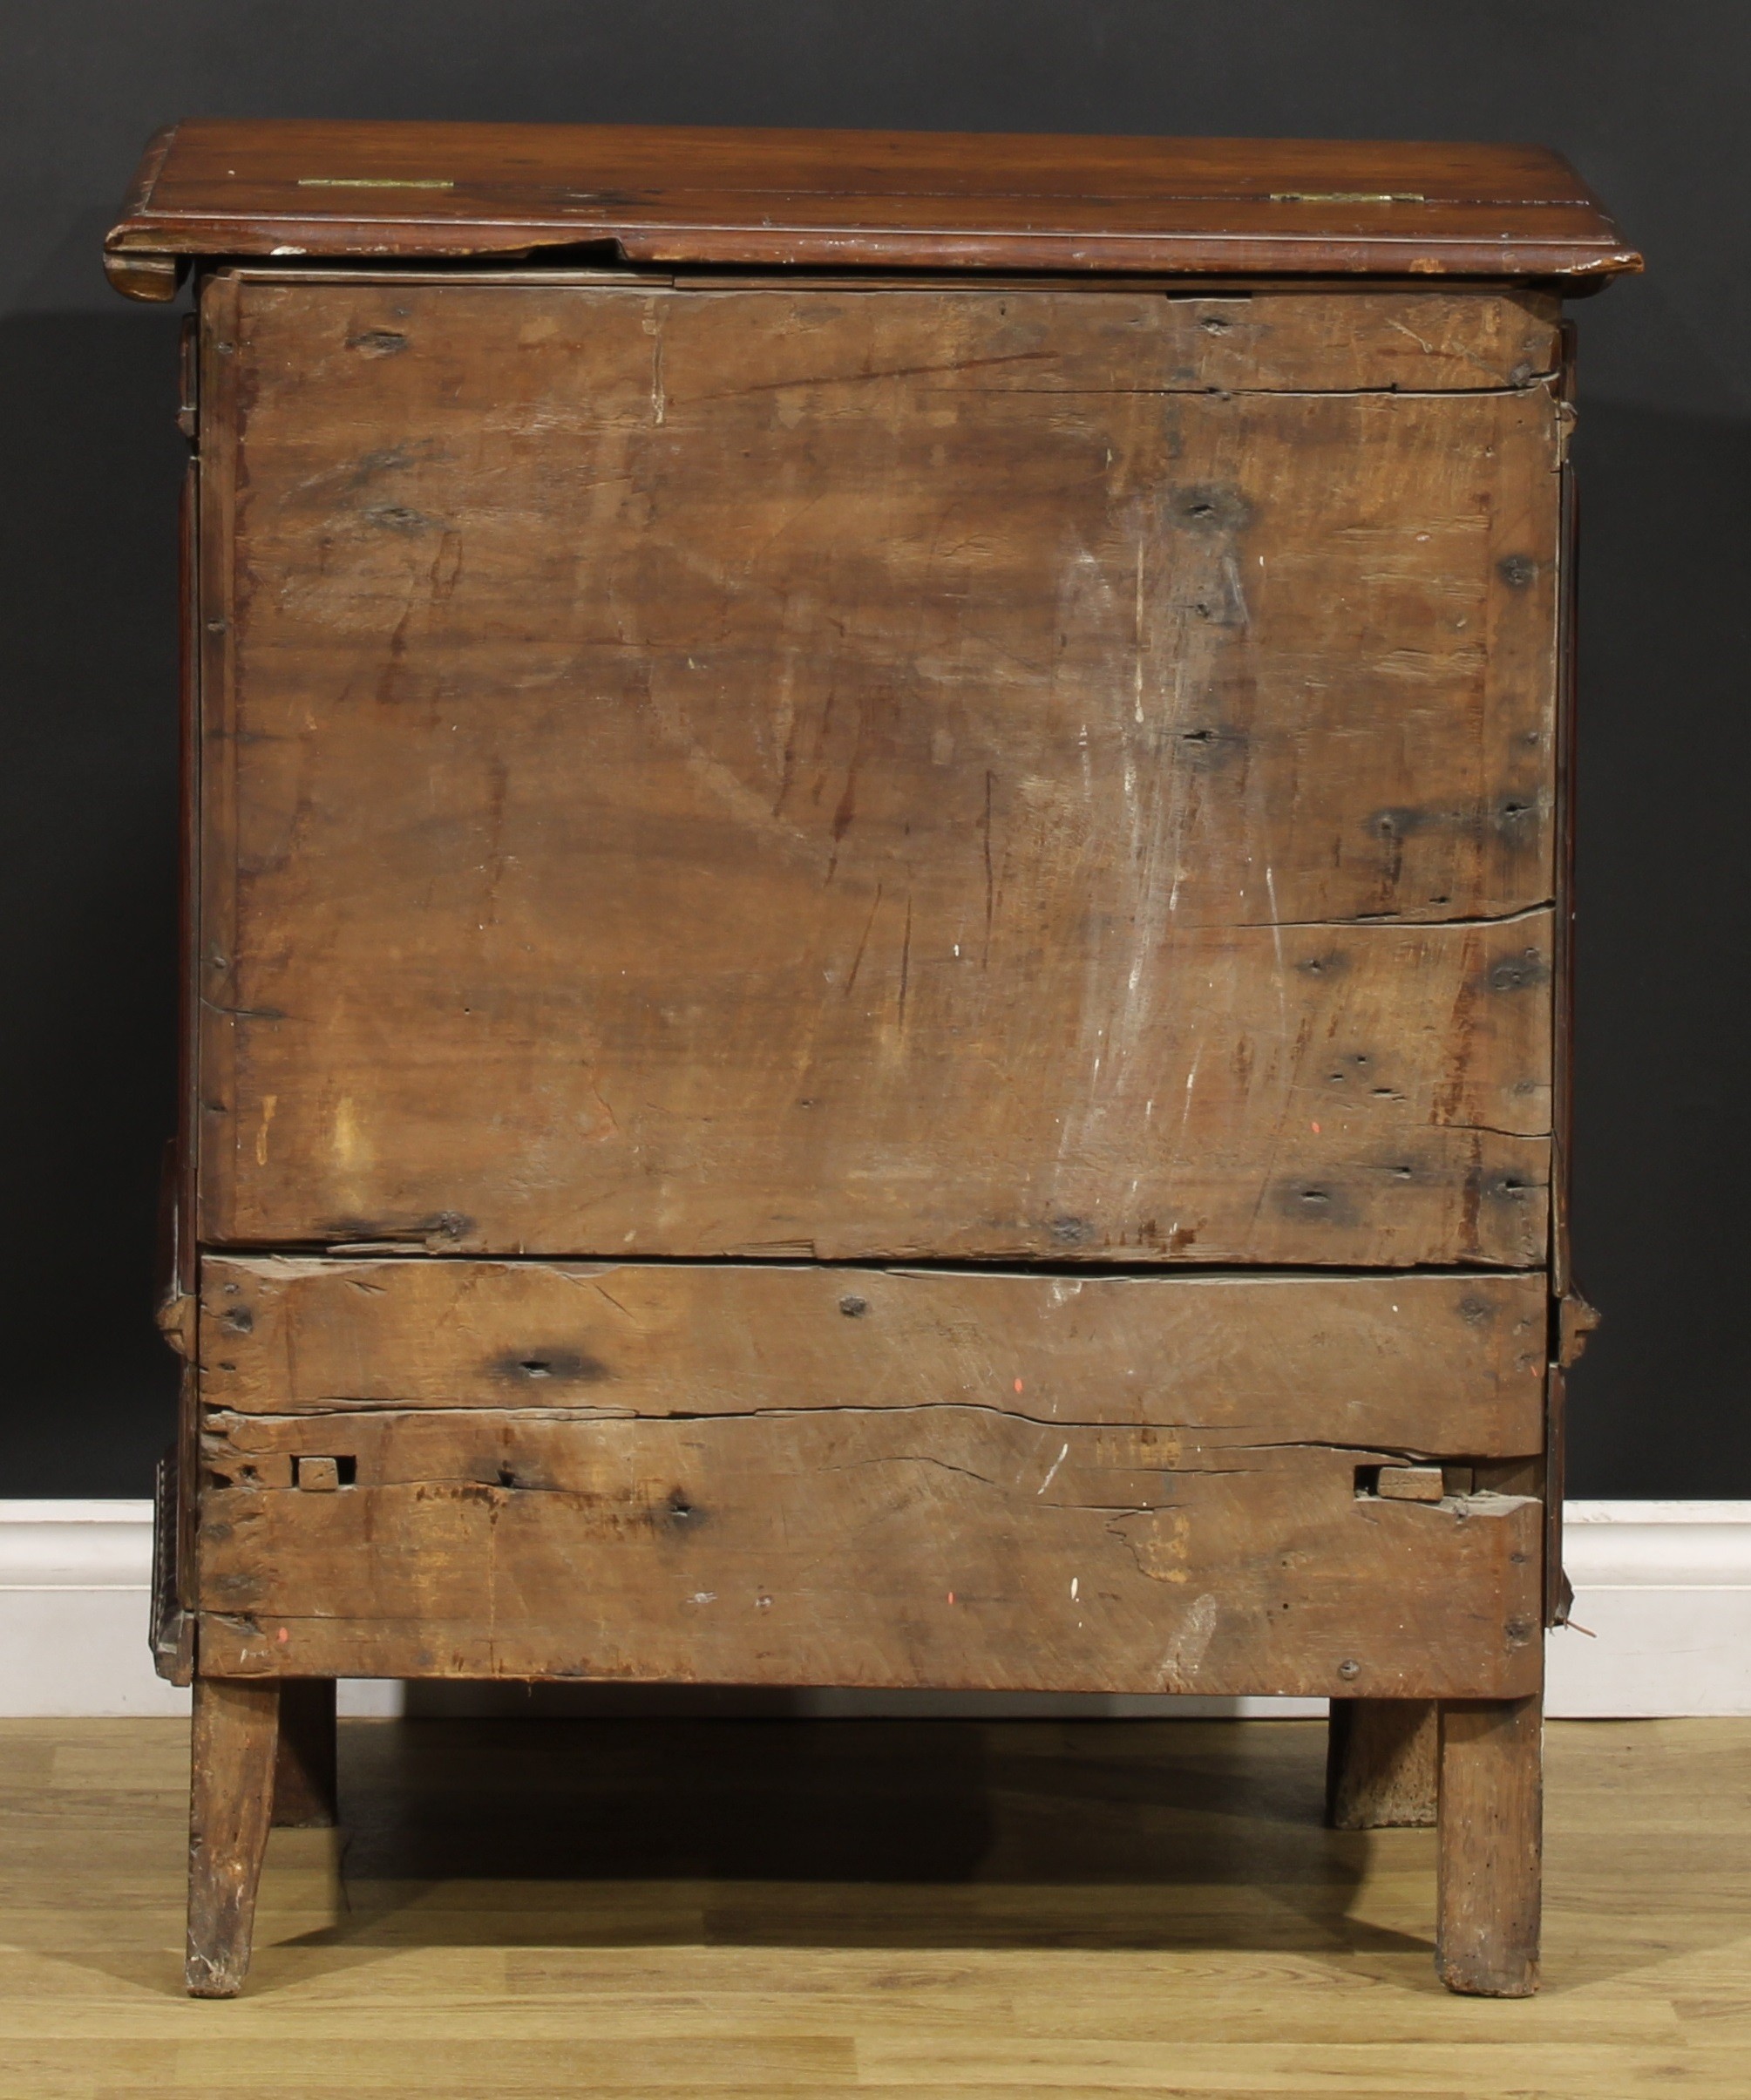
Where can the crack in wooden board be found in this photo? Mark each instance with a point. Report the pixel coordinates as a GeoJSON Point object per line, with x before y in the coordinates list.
{"type": "Point", "coordinates": [1034, 816]}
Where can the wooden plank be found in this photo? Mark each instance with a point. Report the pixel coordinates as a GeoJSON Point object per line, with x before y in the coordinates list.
{"type": "Point", "coordinates": [1029, 339]}
{"type": "Point", "coordinates": [173, 1626]}
{"type": "Point", "coordinates": [955, 1547]}
{"type": "Point", "coordinates": [978, 772]}
{"type": "Point", "coordinates": [1401, 340]}
{"type": "Point", "coordinates": [231, 1797]}
{"type": "Point", "coordinates": [1428, 1364]}
{"type": "Point", "coordinates": [1232, 337]}
{"type": "Point", "coordinates": [1491, 1840]}
{"type": "Point", "coordinates": [857, 199]}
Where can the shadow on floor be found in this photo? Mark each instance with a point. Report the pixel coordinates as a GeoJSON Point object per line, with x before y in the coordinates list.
{"type": "Point", "coordinates": [853, 1833]}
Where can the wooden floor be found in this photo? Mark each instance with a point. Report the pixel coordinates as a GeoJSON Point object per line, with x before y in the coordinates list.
{"type": "Point", "coordinates": [788, 1908]}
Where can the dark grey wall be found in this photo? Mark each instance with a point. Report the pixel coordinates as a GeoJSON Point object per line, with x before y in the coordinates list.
{"type": "Point", "coordinates": [1647, 100]}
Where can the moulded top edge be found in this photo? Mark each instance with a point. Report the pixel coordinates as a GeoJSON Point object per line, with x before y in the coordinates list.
{"type": "Point", "coordinates": [879, 200]}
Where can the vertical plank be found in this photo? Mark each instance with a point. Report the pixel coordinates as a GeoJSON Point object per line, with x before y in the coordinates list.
{"type": "Point", "coordinates": [304, 1770]}
{"type": "Point", "coordinates": [1568, 603]}
{"type": "Point", "coordinates": [1490, 1846]}
{"type": "Point", "coordinates": [231, 1793]}
{"type": "Point", "coordinates": [1382, 1763]}
{"type": "Point", "coordinates": [185, 1189]}
{"type": "Point", "coordinates": [1560, 1593]}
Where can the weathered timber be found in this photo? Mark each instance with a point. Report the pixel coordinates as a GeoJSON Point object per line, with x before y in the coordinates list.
{"type": "Point", "coordinates": [1410, 1483]}
{"type": "Point", "coordinates": [173, 1626]}
{"type": "Point", "coordinates": [231, 1800]}
{"type": "Point", "coordinates": [947, 893]}
{"type": "Point", "coordinates": [1233, 338]}
{"type": "Point", "coordinates": [304, 1771]}
{"type": "Point", "coordinates": [1489, 1844]}
{"type": "Point", "coordinates": [1435, 1365]}
{"type": "Point", "coordinates": [1382, 1763]}
{"type": "Point", "coordinates": [865, 807]}
{"type": "Point", "coordinates": [950, 1546]}
{"type": "Point", "coordinates": [936, 199]}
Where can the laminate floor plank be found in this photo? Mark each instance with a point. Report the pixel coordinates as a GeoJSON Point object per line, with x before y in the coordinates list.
{"type": "Point", "coordinates": [977, 1911]}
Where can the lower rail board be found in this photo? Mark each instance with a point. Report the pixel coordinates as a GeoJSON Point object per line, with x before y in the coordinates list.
{"type": "Point", "coordinates": [954, 1546]}
{"type": "Point", "coordinates": [686, 1473]}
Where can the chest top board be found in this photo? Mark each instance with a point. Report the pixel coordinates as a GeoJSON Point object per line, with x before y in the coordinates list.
{"type": "Point", "coordinates": [878, 922]}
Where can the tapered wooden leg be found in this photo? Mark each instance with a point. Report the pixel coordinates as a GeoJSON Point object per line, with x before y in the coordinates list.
{"type": "Point", "coordinates": [1381, 1764]}
{"type": "Point", "coordinates": [231, 1797]}
{"type": "Point", "coordinates": [304, 1773]}
{"type": "Point", "coordinates": [1491, 1842]}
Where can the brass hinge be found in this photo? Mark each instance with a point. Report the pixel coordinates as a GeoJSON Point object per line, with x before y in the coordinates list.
{"type": "Point", "coordinates": [375, 182]}
{"type": "Point", "coordinates": [1348, 196]}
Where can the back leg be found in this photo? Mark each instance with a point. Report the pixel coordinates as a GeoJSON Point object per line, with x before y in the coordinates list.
{"type": "Point", "coordinates": [1381, 1764]}
{"type": "Point", "coordinates": [304, 1772]}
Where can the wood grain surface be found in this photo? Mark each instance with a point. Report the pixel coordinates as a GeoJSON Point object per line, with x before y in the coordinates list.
{"type": "Point", "coordinates": [231, 1762]}
{"type": "Point", "coordinates": [1490, 1884]}
{"type": "Point", "coordinates": [1427, 1364]}
{"type": "Point", "coordinates": [838, 199]}
{"type": "Point", "coordinates": [953, 1546]}
{"type": "Point", "coordinates": [707, 1473]}
{"type": "Point", "coordinates": [1382, 1764]}
{"type": "Point", "coordinates": [800, 771]}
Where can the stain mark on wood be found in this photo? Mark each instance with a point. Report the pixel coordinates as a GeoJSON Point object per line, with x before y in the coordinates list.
{"type": "Point", "coordinates": [962, 683]}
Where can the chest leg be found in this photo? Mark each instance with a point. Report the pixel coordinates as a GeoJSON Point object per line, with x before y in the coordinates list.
{"type": "Point", "coordinates": [1490, 1840]}
{"type": "Point", "coordinates": [231, 1797]}
{"type": "Point", "coordinates": [1381, 1759]}
{"type": "Point", "coordinates": [304, 1770]}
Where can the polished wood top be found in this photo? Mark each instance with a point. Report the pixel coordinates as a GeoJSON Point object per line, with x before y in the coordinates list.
{"type": "Point", "coordinates": [361, 192]}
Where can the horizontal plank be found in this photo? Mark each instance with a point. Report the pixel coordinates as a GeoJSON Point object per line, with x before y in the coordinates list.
{"type": "Point", "coordinates": [1430, 1365]}
{"type": "Point", "coordinates": [933, 199]}
{"type": "Point", "coordinates": [719, 773]}
{"type": "Point", "coordinates": [961, 1547]}
{"type": "Point", "coordinates": [1015, 342]}
{"type": "Point", "coordinates": [1215, 1122]}
{"type": "Point", "coordinates": [1057, 339]}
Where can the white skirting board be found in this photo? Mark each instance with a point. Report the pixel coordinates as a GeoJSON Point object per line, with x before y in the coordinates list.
{"type": "Point", "coordinates": [1663, 1588]}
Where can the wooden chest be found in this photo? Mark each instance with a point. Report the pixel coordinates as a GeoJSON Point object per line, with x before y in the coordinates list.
{"type": "Point", "coordinates": [877, 940]}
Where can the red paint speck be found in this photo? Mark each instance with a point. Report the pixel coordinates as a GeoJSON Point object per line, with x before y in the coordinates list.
{"type": "Point", "coordinates": [283, 1634]}
{"type": "Point", "coordinates": [951, 1596]}
{"type": "Point", "coordinates": [1316, 1130]}
{"type": "Point", "coordinates": [1018, 1385]}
